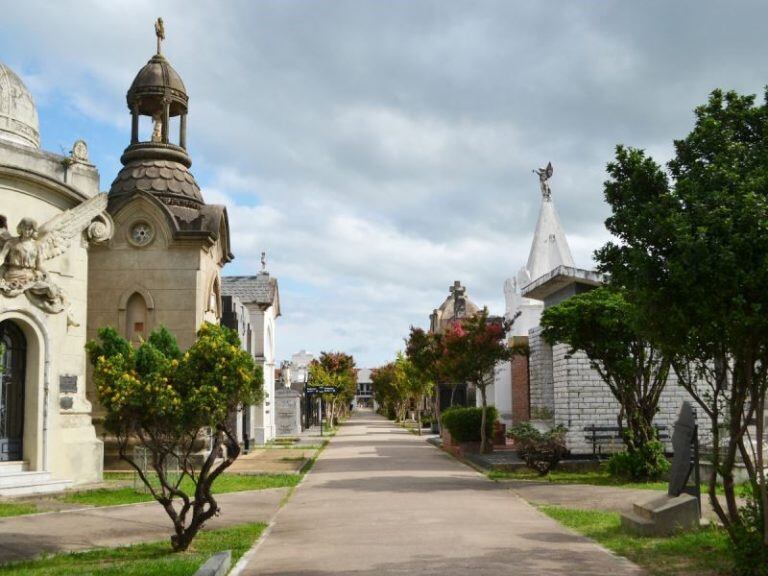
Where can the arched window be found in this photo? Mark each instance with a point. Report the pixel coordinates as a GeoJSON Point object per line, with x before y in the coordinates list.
{"type": "Point", "coordinates": [136, 319]}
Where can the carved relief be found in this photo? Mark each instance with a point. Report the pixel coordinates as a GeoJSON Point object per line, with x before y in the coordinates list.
{"type": "Point", "coordinates": [22, 256]}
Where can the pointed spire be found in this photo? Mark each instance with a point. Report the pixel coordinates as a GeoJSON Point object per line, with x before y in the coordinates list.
{"type": "Point", "coordinates": [549, 248]}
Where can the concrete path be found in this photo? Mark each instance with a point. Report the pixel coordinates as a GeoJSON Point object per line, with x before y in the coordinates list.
{"type": "Point", "coordinates": [382, 501]}
{"type": "Point", "coordinates": [24, 537]}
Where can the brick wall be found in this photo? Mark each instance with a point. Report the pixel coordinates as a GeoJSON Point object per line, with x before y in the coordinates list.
{"type": "Point", "coordinates": [521, 406]}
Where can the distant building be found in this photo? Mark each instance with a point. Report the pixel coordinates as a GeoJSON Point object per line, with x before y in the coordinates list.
{"type": "Point", "coordinates": [260, 296]}
{"type": "Point", "coordinates": [364, 393]}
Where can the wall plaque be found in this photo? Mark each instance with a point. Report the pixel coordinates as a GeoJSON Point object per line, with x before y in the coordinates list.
{"type": "Point", "coordinates": [66, 403]}
{"type": "Point", "coordinates": [68, 384]}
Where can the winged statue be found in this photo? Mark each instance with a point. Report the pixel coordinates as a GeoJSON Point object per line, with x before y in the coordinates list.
{"type": "Point", "coordinates": [544, 175]}
{"type": "Point", "coordinates": [22, 256]}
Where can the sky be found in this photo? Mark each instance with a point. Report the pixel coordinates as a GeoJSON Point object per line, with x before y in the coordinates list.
{"type": "Point", "coordinates": [379, 150]}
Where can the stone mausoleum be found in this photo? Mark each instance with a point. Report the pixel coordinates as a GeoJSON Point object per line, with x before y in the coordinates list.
{"type": "Point", "coordinates": [52, 214]}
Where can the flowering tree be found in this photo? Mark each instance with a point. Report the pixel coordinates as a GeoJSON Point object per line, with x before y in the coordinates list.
{"type": "Point", "coordinates": [335, 370]}
{"type": "Point", "coordinates": [424, 350]}
{"type": "Point", "coordinates": [166, 400]}
{"type": "Point", "coordinates": [470, 351]}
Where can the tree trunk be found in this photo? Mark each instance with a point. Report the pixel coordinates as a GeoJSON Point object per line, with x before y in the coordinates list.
{"type": "Point", "coordinates": [483, 439]}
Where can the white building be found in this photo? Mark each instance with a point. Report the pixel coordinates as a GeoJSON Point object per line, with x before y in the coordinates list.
{"type": "Point", "coordinates": [549, 250]}
{"type": "Point", "coordinates": [260, 295]}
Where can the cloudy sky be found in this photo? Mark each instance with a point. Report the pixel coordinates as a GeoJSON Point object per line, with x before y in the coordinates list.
{"type": "Point", "coordinates": [379, 150]}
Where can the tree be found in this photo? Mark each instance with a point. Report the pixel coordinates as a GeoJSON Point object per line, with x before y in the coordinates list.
{"type": "Point", "coordinates": [384, 389]}
{"type": "Point", "coordinates": [604, 325]}
{"type": "Point", "coordinates": [424, 350]}
{"type": "Point", "coordinates": [335, 370]}
{"type": "Point", "coordinates": [693, 257]}
{"type": "Point", "coordinates": [166, 400]}
{"type": "Point", "coordinates": [412, 384]}
{"type": "Point", "coordinates": [471, 350]}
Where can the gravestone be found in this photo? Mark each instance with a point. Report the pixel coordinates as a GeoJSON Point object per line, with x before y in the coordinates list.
{"type": "Point", "coordinates": [287, 412]}
{"type": "Point", "coordinates": [665, 514]}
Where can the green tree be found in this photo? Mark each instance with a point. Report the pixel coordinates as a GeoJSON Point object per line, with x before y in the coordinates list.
{"type": "Point", "coordinates": [693, 257]}
{"type": "Point", "coordinates": [336, 370]}
{"type": "Point", "coordinates": [412, 384]}
{"type": "Point", "coordinates": [471, 350]}
{"type": "Point", "coordinates": [603, 324]}
{"type": "Point", "coordinates": [424, 350]}
{"type": "Point", "coordinates": [167, 401]}
{"type": "Point", "coordinates": [384, 389]}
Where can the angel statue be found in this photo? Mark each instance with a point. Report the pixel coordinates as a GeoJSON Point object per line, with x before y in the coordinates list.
{"type": "Point", "coordinates": [22, 257]}
{"type": "Point", "coordinates": [544, 175]}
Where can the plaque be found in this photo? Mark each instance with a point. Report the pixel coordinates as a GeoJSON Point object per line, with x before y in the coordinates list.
{"type": "Point", "coordinates": [66, 403]}
{"type": "Point", "coordinates": [68, 384]}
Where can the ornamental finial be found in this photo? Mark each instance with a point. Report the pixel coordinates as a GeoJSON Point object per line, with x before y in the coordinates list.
{"type": "Point", "coordinates": [263, 261]}
{"type": "Point", "coordinates": [160, 33]}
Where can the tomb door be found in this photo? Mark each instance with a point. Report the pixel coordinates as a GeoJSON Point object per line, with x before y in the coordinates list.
{"type": "Point", "coordinates": [14, 358]}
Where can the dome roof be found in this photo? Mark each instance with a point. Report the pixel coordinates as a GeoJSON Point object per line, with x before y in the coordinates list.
{"type": "Point", "coordinates": [170, 181]}
{"type": "Point", "coordinates": [18, 115]}
{"type": "Point", "coordinates": [156, 80]}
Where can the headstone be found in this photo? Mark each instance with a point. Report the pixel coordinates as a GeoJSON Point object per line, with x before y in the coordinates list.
{"type": "Point", "coordinates": [682, 436]}
{"type": "Point", "coordinates": [665, 514]}
{"type": "Point", "coordinates": [287, 412]}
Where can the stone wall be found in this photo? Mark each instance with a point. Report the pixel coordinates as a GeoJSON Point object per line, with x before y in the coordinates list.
{"type": "Point", "coordinates": [541, 377]}
{"type": "Point", "coordinates": [582, 399]}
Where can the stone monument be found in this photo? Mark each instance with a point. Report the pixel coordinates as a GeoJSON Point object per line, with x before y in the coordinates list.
{"type": "Point", "coordinates": [675, 511]}
{"type": "Point", "coordinates": [287, 412]}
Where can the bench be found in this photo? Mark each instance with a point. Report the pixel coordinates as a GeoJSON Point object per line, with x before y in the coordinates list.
{"type": "Point", "coordinates": [600, 436]}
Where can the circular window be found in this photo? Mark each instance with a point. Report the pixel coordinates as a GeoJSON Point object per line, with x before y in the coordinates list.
{"type": "Point", "coordinates": [141, 234]}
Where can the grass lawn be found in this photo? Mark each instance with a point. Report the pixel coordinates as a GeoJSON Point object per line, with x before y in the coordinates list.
{"type": "Point", "coordinates": [152, 559]}
{"type": "Point", "coordinates": [16, 509]}
{"type": "Point", "coordinates": [703, 553]}
{"type": "Point", "coordinates": [128, 495]}
{"type": "Point", "coordinates": [596, 478]}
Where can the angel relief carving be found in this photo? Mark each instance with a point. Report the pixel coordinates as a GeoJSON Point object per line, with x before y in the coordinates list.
{"type": "Point", "coordinates": [22, 256]}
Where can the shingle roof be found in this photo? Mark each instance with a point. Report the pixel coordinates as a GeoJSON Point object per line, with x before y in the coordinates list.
{"type": "Point", "coordinates": [260, 289]}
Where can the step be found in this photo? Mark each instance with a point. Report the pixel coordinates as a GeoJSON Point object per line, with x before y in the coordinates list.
{"type": "Point", "coordinates": [48, 487]}
{"type": "Point", "coordinates": [13, 466]}
{"type": "Point", "coordinates": [637, 525]}
{"type": "Point", "coordinates": [24, 478]}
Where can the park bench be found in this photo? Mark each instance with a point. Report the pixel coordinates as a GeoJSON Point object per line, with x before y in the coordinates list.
{"type": "Point", "coordinates": [610, 436]}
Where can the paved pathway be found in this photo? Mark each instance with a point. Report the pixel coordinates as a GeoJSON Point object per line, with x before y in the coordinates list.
{"type": "Point", "coordinates": [382, 501]}
{"type": "Point", "coordinates": [25, 537]}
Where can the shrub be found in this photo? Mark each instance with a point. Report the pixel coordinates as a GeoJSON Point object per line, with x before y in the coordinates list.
{"type": "Point", "coordinates": [464, 423]}
{"type": "Point", "coordinates": [540, 451]}
{"type": "Point", "coordinates": [645, 463]}
{"type": "Point", "coordinates": [749, 553]}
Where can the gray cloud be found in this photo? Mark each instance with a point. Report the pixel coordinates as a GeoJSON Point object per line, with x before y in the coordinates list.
{"type": "Point", "coordinates": [380, 150]}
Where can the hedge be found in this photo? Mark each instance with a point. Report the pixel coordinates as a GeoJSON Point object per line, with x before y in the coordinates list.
{"type": "Point", "coordinates": [464, 423]}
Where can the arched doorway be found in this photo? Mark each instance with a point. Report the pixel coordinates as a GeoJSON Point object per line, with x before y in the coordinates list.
{"type": "Point", "coordinates": [12, 378]}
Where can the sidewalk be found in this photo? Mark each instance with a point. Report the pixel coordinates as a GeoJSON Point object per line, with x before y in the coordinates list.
{"type": "Point", "coordinates": [382, 501]}
{"type": "Point", "coordinates": [25, 537]}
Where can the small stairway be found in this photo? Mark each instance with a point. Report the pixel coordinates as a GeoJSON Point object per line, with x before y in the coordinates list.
{"type": "Point", "coordinates": [17, 480]}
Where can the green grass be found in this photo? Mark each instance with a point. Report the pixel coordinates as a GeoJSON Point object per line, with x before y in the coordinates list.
{"type": "Point", "coordinates": [16, 509]}
{"type": "Point", "coordinates": [128, 495]}
{"type": "Point", "coordinates": [152, 559]}
{"type": "Point", "coordinates": [595, 478]}
{"type": "Point", "coordinates": [703, 553]}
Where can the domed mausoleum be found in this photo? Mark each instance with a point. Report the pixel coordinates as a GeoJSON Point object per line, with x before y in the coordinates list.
{"type": "Point", "coordinates": [51, 212]}
{"type": "Point", "coordinates": [162, 266]}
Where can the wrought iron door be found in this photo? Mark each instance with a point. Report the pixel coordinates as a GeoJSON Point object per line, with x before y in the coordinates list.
{"type": "Point", "coordinates": [12, 391]}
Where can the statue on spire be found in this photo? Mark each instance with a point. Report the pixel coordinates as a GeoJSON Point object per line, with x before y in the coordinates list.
{"type": "Point", "coordinates": [263, 261]}
{"type": "Point", "coordinates": [160, 33]}
{"type": "Point", "coordinates": [544, 175]}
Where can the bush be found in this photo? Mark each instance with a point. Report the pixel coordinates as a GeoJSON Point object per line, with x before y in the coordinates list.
{"type": "Point", "coordinates": [540, 451]}
{"type": "Point", "coordinates": [645, 464]}
{"type": "Point", "coordinates": [749, 553]}
{"type": "Point", "coordinates": [464, 423]}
